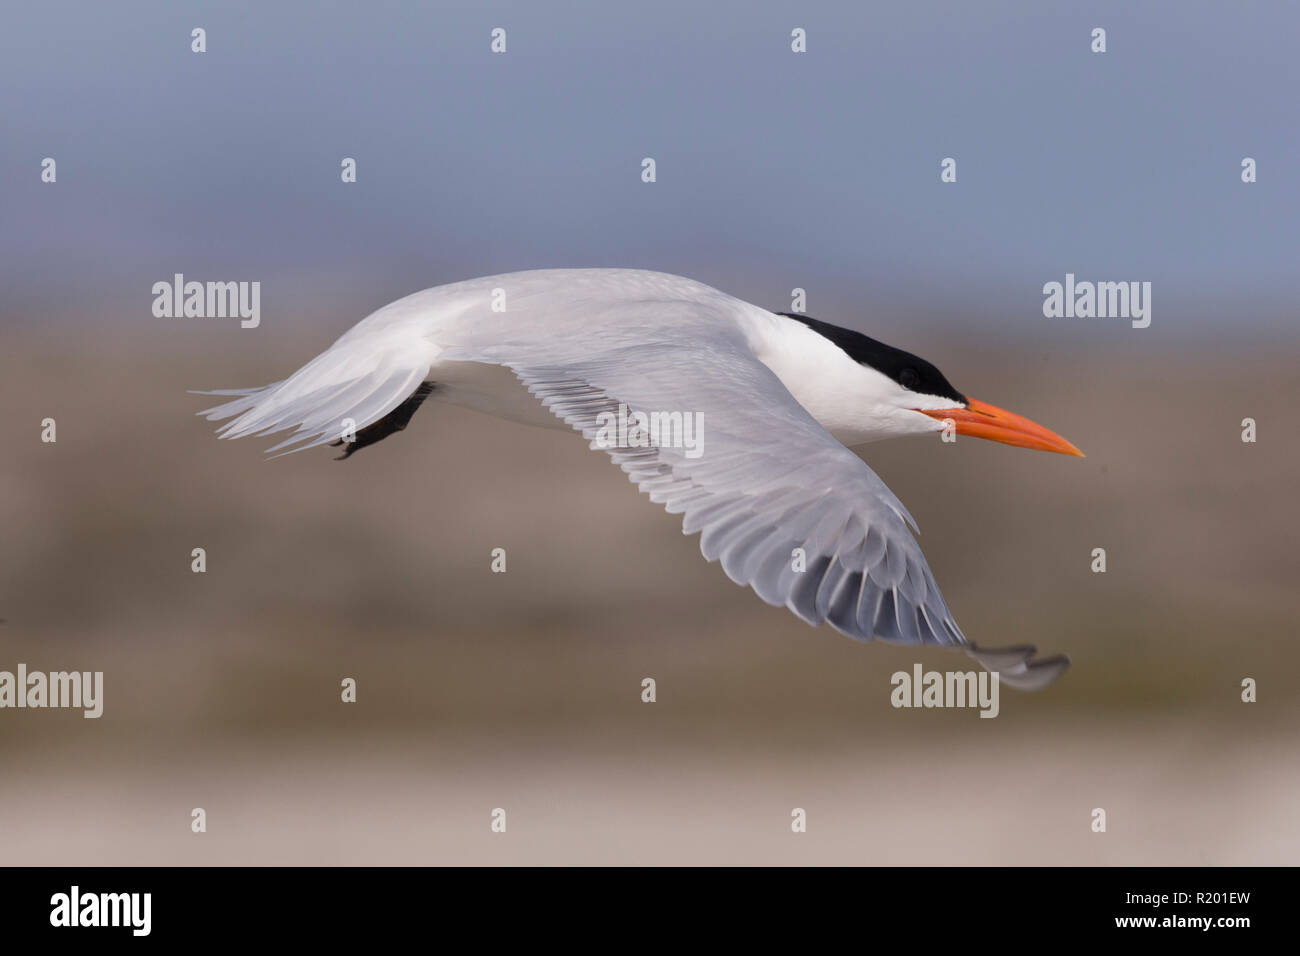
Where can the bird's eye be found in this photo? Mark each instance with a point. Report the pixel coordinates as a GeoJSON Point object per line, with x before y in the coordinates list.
{"type": "Point", "coordinates": [908, 378]}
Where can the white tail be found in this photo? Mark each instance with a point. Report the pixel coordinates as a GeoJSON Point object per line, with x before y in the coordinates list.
{"type": "Point", "coordinates": [356, 381]}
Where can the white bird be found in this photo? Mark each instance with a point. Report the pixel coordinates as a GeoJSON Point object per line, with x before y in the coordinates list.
{"type": "Point", "coordinates": [777, 398]}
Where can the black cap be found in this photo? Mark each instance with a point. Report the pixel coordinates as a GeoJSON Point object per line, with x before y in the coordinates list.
{"type": "Point", "coordinates": [910, 371]}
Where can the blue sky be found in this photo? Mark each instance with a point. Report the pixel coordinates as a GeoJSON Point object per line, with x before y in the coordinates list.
{"type": "Point", "coordinates": [774, 169]}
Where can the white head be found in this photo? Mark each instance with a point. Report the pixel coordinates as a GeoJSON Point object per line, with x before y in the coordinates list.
{"type": "Point", "coordinates": [861, 390]}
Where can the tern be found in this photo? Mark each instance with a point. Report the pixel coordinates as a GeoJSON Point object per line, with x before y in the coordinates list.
{"type": "Point", "coordinates": [780, 398]}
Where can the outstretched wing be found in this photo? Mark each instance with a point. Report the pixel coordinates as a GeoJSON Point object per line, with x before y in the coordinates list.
{"type": "Point", "coordinates": [785, 508]}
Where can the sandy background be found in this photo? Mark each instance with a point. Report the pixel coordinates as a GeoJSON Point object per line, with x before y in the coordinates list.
{"type": "Point", "coordinates": [522, 690]}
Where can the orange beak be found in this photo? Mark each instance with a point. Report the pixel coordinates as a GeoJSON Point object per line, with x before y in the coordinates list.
{"type": "Point", "coordinates": [989, 421]}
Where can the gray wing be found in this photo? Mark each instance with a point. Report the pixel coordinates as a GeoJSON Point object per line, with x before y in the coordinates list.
{"type": "Point", "coordinates": [768, 481]}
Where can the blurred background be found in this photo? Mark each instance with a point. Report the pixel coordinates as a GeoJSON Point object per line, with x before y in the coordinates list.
{"type": "Point", "coordinates": [522, 690]}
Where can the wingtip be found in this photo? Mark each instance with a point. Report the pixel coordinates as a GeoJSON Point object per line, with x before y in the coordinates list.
{"type": "Point", "coordinates": [1016, 666]}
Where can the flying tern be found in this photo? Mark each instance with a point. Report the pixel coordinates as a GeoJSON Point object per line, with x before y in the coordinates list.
{"type": "Point", "coordinates": [771, 484]}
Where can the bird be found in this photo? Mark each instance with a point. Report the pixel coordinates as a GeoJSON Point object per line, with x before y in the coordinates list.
{"type": "Point", "coordinates": [779, 399]}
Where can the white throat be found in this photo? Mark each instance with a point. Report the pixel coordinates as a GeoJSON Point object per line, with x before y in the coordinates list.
{"type": "Point", "coordinates": [854, 402]}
